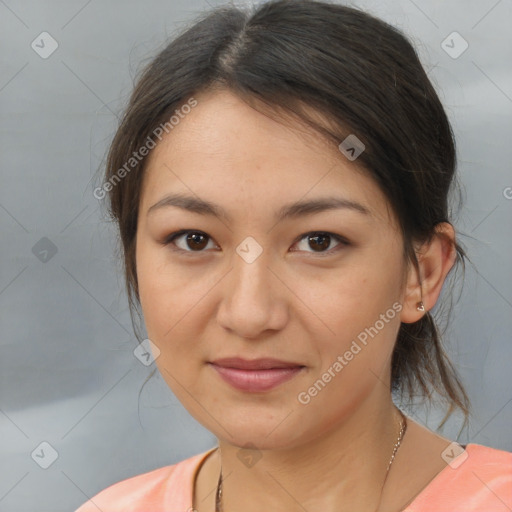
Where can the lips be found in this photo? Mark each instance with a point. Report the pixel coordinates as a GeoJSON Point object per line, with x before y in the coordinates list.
{"type": "Point", "coordinates": [255, 364]}
{"type": "Point", "coordinates": [258, 375]}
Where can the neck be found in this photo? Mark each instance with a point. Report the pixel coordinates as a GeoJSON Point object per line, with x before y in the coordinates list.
{"type": "Point", "coordinates": [332, 472]}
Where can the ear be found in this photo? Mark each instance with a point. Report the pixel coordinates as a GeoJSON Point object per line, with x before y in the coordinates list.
{"type": "Point", "coordinates": [435, 260]}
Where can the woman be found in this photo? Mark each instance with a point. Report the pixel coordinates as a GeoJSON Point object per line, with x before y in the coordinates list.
{"type": "Point", "coordinates": [280, 180]}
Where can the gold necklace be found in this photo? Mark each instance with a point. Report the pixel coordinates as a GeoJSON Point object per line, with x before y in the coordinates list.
{"type": "Point", "coordinates": [403, 428]}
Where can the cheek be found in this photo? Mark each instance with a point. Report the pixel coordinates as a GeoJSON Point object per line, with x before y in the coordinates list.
{"type": "Point", "coordinates": [168, 301]}
{"type": "Point", "coordinates": [359, 310]}
{"type": "Point", "coordinates": [353, 360]}
{"type": "Point", "coordinates": [355, 299]}
{"type": "Point", "coordinates": [173, 304]}
{"type": "Point", "coordinates": [157, 290]}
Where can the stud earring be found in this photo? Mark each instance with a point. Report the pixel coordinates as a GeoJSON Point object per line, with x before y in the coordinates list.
{"type": "Point", "coordinates": [420, 306]}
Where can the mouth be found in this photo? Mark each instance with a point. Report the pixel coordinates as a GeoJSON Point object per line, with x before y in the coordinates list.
{"type": "Point", "coordinates": [255, 364]}
{"type": "Point", "coordinates": [258, 375]}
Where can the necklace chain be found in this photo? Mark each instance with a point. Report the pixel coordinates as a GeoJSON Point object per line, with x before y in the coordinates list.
{"type": "Point", "coordinates": [403, 428]}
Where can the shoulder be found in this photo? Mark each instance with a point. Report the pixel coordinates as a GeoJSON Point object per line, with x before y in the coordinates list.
{"type": "Point", "coordinates": [163, 489]}
{"type": "Point", "coordinates": [477, 479]}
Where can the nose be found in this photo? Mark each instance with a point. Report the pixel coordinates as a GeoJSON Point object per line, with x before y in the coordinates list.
{"type": "Point", "coordinates": [253, 298]}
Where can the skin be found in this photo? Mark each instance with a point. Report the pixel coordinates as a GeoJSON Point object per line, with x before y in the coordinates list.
{"type": "Point", "coordinates": [293, 303]}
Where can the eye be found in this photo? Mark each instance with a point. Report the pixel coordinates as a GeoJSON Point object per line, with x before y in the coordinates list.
{"type": "Point", "coordinates": [321, 240]}
{"type": "Point", "coordinates": [196, 241]}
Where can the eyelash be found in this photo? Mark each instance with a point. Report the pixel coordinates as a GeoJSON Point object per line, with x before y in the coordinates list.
{"type": "Point", "coordinates": [168, 241]}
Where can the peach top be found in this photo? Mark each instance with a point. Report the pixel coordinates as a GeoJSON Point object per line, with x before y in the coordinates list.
{"type": "Point", "coordinates": [478, 479]}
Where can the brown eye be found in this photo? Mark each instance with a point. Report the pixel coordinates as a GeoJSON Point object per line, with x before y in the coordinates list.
{"type": "Point", "coordinates": [189, 241]}
{"type": "Point", "coordinates": [320, 241]}
{"type": "Point", "coordinates": [196, 241]}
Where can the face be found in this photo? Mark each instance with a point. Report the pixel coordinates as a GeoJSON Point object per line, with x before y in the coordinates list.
{"type": "Point", "coordinates": [319, 287]}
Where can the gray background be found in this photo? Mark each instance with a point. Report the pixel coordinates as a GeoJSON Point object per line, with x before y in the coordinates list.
{"type": "Point", "coordinates": [68, 373]}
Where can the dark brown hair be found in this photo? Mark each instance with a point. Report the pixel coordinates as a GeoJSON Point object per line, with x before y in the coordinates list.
{"type": "Point", "coordinates": [360, 73]}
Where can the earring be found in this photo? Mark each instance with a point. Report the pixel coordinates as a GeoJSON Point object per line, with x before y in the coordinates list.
{"type": "Point", "coordinates": [420, 306]}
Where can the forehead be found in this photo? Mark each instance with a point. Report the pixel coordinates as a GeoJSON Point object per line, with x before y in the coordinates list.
{"type": "Point", "coordinates": [224, 148]}
{"type": "Point", "coordinates": [223, 124]}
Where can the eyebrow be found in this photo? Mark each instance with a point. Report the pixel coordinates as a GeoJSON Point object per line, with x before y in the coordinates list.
{"type": "Point", "coordinates": [292, 210]}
